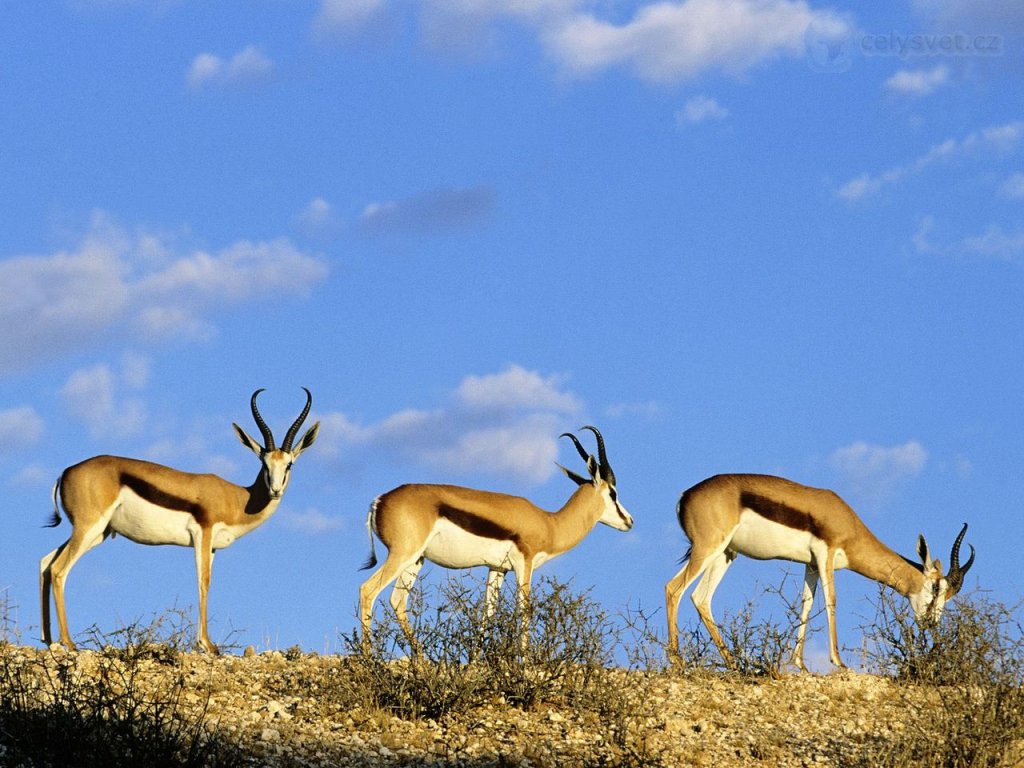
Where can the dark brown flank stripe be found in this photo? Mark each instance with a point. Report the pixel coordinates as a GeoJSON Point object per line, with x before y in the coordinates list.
{"type": "Point", "coordinates": [475, 524]}
{"type": "Point", "coordinates": [161, 498]}
{"type": "Point", "coordinates": [781, 513]}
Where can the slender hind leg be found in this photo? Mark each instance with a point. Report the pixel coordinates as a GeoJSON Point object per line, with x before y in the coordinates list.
{"type": "Point", "coordinates": [400, 599]}
{"type": "Point", "coordinates": [714, 571]}
{"type": "Point", "coordinates": [693, 568]}
{"type": "Point", "coordinates": [370, 589]}
{"type": "Point", "coordinates": [66, 556]}
{"type": "Point", "coordinates": [45, 585]}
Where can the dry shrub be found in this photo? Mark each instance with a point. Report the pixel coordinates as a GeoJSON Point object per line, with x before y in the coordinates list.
{"type": "Point", "coordinates": [961, 683]}
{"type": "Point", "coordinates": [98, 708]}
{"type": "Point", "coordinates": [463, 659]}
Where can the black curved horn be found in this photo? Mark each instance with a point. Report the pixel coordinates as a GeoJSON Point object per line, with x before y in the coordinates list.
{"type": "Point", "coordinates": [955, 579]}
{"type": "Point", "coordinates": [294, 428]}
{"type": "Point", "coordinates": [268, 437]}
{"type": "Point", "coordinates": [579, 446]}
{"type": "Point", "coordinates": [602, 455]}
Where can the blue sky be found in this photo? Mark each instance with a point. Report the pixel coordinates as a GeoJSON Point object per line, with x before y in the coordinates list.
{"type": "Point", "coordinates": [737, 236]}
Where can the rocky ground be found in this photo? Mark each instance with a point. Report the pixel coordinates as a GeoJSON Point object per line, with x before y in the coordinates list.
{"type": "Point", "coordinates": [293, 709]}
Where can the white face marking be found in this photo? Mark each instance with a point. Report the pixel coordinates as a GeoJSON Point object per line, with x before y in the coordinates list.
{"type": "Point", "coordinates": [454, 547]}
{"type": "Point", "coordinates": [146, 523]}
{"type": "Point", "coordinates": [614, 514]}
{"type": "Point", "coordinates": [929, 603]}
{"type": "Point", "coordinates": [277, 467]}
{"type": "Point", "coordinates": [762, 539]}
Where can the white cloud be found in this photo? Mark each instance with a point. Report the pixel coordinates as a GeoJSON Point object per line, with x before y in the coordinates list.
{"type": "Point", "coordinates": [312, 522]}
{"type": "Point", "coordinates": [699, 109]}
{"type": "Point", "coordinates": [993, 243]}
{"type": "Point", "coordinates": [646, 409]}
{"type": "Point", "coordinates": [1013, 187]}
{"type": "Point", "coordinates": [514, 388]}
{"type": "Point", "coordinates": [673, 41]}
{"type": "Point", "coordinates": [874, 471]}
{"type": "Point", "coordinates": [918, 82]}
{"type": "Point", "coordinates": [19, 428]}
{"type": "Point", "coordinates": [92, 396]}
{"type": "Point", "coordinates": [504, 424]}
{"type": "Point", "coordinates": [1000, 138]}
{"type": "Point", "coordinates": [318, 219]}
{"type": "Point", "coordinates": [665, 41]}
{"type": "Point", "coordinates": [115, 283]}
{"type": "Point", "coordinates": [204, 69]}
{"type": "Point", "coordinates": [249, 66]}
{"type": "Point", "coordinates": [437, 210]}
{"type": "Point", "coordinates": [343, 16]}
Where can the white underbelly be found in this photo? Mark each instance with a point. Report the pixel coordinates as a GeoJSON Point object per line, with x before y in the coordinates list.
{"type": "Point", "coordinates": [146, 523]}
{"type": "Point", "coordinates": [762, 539]}
{"type": "Point", "coordinates": [454, 547]}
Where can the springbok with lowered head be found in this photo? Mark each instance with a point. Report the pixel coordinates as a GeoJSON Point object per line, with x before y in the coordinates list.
{"type": "Point", "coordinates": [462, 528]}
{"type": "Point", "coordinates": [769, 518]}
{"type": "Point", "coordinates": [153, 504]}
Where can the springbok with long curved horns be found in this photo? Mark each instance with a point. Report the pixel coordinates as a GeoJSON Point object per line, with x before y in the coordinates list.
{"type": "Point", "coordinates": [769, 518]}
{"type": "Point", "coordinates": [462, 528]}
{"type": "Point", "coordinates": [153, 504]}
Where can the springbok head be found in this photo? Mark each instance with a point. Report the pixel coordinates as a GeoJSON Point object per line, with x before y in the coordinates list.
{"type": "Point", "coordinates": [930, 601]}
{"type": "Point", "coordinates": [602, 478]}
{"type": "Point", "coordinates": [277, 462]}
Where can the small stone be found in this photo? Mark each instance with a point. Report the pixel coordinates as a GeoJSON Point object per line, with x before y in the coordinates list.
{"type": "Point", "coordinates": [270, 734]}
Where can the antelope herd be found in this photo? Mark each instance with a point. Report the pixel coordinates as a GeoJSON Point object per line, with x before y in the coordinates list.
{"type": "Point", "coordinates": [760, 516]}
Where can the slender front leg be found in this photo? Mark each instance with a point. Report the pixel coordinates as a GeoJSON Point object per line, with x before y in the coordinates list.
{"type": "Point", "coordinates": [829, 586]}
{"type": "Point", "coordinates": [203, 545]}
{"type": "Point", "coordinates": [806, 601]}
{"type": "Point", "coordinates": [495, 580]}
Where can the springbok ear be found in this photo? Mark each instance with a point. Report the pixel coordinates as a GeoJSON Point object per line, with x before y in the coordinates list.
{"type": "Point", "coordinates": [925, 554]}
{"type": "Point", "coordinates": [572, 475]}
{"type": "Point", "coordinates": [593, 468]}
{"type": "Point", "coordinates": [247, 441]}
{"type": "Point", "coordinates": [307, 440]}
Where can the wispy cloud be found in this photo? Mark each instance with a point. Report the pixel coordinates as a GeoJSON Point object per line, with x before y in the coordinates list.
{"type": "Point", "coordinates": [312, 522]}
{"type": "Point", "coordinates": [343, 17]}
{"type": "Point", "coordinates": [139, 285]}
{"type": "Point", "coordinates": [700, 109]}
{"type": "Point", "coordinates": [666, 41]}
{"type": "Point", "coordinates": [1000, 138]}
{"type": "Point", "coordinates": [434, 211]}
{"type": "Point", "coordinates": [100, 397]}
{"type": "Point", "coordinates": [875, 471]}
{"type": "Point", "coordinates": [993, 243]}
{"type": "Point", "coordinates": [505, 424]}
{"type": "Point", "coordinates": [250, 66]}
{"type": "Point", "coordinates": [1013, 187]}
{"type": "Point", "coordinates": [918, 82]}
{"type": "Point", "coordinates": [318, 220]}
{"type": "Point", "coordinates": [19, 428]}
{"type": "Point", "coordinates": [674, 41]}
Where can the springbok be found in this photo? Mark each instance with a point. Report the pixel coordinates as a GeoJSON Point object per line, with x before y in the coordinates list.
{"type": "Point", "coordinates": [152, 504]}
{"type": "Point", "coordinates": [462, 528]}
{"type": "Point", "coordinates": [770, 518]}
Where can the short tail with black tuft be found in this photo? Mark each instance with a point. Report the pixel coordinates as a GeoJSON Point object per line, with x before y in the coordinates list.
{"type": "Point", "coordinates": [55, 518]}
{"type": "Point", "coordinates": [372, 559]}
